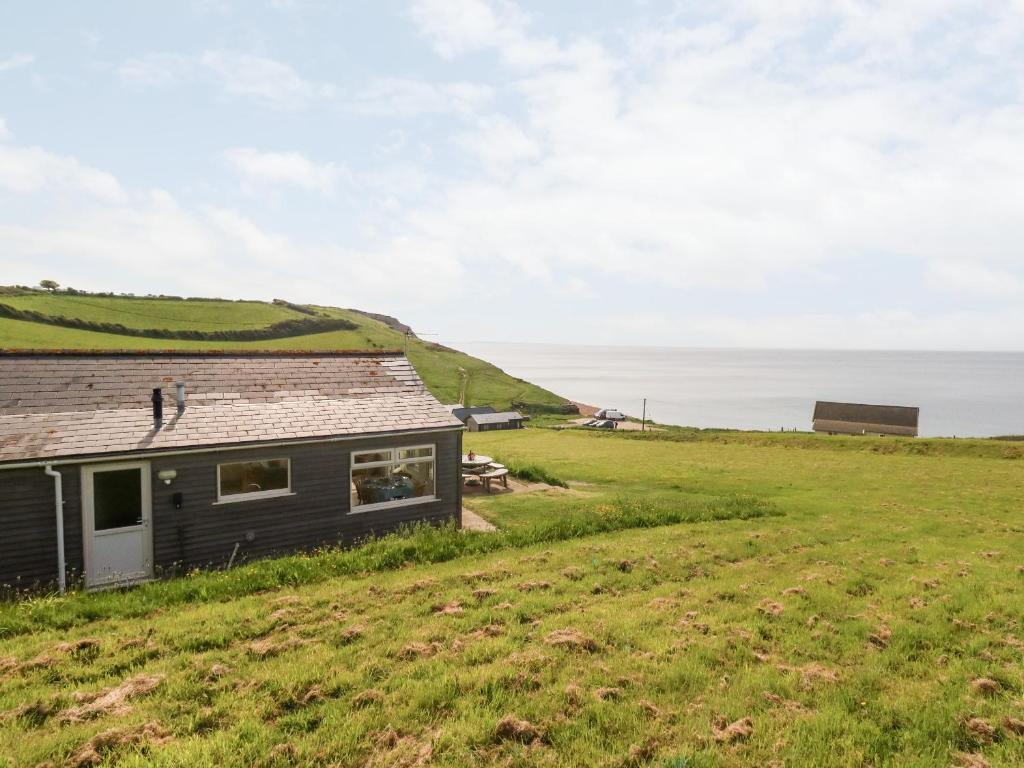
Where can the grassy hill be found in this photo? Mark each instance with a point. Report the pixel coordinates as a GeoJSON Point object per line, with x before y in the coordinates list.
{"type": "Point", "coordinates": [814, 606]}
{"type": "Point", "coordinates": [449, 374]}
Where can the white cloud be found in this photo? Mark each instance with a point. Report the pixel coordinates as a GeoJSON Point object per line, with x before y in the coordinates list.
{"type": "Point", "coordinates": [728, 153]}
{"type": "Point", "coordinates": [458, 27]}
{"type": "Point", "coordinates": [26, 170]}
{"type": "Point", "coordinates": [499, 144]}
{"type": "Point", "coordinates": [99, 236]}
{"type": "Point", "coordinates": [285, 168]}
{"type": "Point", "coordinates": [973, 279]}
{"type": "Point", "coordinates": [156, 69]}
{"type": "Point", "coordinates": [402, 97]}
{"type": "Point", "coordinates": [455, 27]}
{"type": "Point", "coordinates": [267, 81]}
{"type": "Point", "coordinates": [17, 61]}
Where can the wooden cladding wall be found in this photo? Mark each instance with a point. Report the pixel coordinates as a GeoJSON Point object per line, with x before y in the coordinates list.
{"type": "Point", "coordinates": [203, 533]}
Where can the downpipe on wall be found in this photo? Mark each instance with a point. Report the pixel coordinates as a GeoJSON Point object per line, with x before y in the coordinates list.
{"type": "Point", "coordinates": [58, 504]}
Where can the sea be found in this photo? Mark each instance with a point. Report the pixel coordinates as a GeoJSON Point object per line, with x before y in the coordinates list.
{"type": "Point", "coordinates": [960, 394]}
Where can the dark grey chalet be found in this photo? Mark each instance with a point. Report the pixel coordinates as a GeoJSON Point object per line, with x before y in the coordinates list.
{"type": "Point", "coordinates": [862, 419]}
{"type": "Point", "coordinates": [119, 467]}
{"type": "Point", "coordinates": [488, 422]}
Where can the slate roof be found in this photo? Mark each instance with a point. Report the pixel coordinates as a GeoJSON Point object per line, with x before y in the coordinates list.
{"type": "Point", "coordinates": [893, 415]}
{"type": "Point", "coordinates": [462, 413]}
{"type": "Point", "coordinates": [496, 418]}
{"type": "Point", "coordinates": [79, 404]}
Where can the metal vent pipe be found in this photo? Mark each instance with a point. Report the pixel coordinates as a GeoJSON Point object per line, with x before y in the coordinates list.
{"type": "Point", "coordinates": [180, 386]}
{"type": "Point", "coordinates": [158, 408]}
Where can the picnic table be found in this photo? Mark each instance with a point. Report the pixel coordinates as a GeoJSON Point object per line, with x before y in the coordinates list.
{"type": "Point", "coordinates": [481, 470]}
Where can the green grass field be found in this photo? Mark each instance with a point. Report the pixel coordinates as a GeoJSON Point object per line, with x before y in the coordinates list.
{"type": "Point", "coordinates": [447, 373]}
{"type": "Point", "coordinates": [876, 621]}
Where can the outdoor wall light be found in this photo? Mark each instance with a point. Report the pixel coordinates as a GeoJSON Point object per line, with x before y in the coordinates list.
{"type": "Point", "coordinates": [167, 475]}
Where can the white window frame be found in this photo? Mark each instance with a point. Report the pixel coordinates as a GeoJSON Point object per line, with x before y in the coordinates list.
{"type": "Point", "coordinates": [232, 498]}
{"type": "Point", "coordinates": [394, 460]}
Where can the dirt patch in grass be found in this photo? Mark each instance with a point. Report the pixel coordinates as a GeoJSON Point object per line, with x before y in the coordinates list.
{"type": "Point", "coordinates": [571, 639]}
{"type": "Point", "coordinates": [640, 754]}
{"type": "Point", "coordinates": [980, 730]}
{"type": "Point", "coordinates": [770, 608]}
{"type": "Point", "coordinates": [217, 671]}
{"type": "Point", "coordinates": [606, 694]}
{"type": "Point", "coordinates": [417, 586]}
{"type": "Point", "coordinates": [393, 750]}
{"type": "Point", "coordinates": [1014, 726]}
{"type": "Point", "coordinates": [311, 695]}
{"type": "Point", "coordinates": [812, 674]}
{"type": "Point", "coordinates": [367, 697]}
{"type": "Point", "coordinates": [482, 633]}
{"type": "Point", "coordinates": [532, 586]}
{"type": "Point", "coordinates": [880, 637]}
{"type": "Point", "coordinates": [83, 646]}
{"type": "Point", "coordinates": [965, 760]}
{"type": "Point", "coordinates": [650, 708]}
{"type": "Point", "coordinates": [454, 608]}
{"type": "Point", "coordinates": [661, 603]}
{"type": "Point", "coordinates": [984, 686]}
{"type": "Point", "coordinates": [34, 714]}
{"type": "Point", "coordinates": [511, 728]}
{"type": "Point", "coordinates": [352, 633]}
{"type": "Point", "coordinates": [137, 643]}
{"type": "Point", "coordinates": [272, 646]}
{"type": "Point", "coordinates": [419, 651]}
{"type": "Point", "coordinates": [84, 649]}
{"type": "Point", "coordinates": [112, 701]}
{"type": "Point", "coordinates": [728, 733]}
{"type": "Point", "coordinates": [283, 615]}
{"type": "Point", "coordinates": [96, 749]}
{"type": "Point", "coordinates": [499, 574]}
{"type": "Point", "coordinates": [788, 704]}
{"type": "Point", "coordinates": [483, 594]}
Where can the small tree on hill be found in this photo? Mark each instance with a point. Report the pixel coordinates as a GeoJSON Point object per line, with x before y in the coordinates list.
{"type": "Point", "coordinates": [50, 285]}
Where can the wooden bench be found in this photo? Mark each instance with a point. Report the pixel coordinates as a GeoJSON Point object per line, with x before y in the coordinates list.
{"type": "Point", "coordinates": [495, 474]}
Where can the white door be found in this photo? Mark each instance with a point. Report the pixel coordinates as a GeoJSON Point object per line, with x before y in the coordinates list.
{"type": "Point", "coordinates": [116, 513]}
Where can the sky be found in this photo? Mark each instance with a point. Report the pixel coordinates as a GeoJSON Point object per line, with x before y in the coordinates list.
{"type": "Point", "coordinates": [745, 173]}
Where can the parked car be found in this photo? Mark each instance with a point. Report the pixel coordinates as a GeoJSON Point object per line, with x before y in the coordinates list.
{"type": "Point", "coordinates": [600, 424]}
{"type": "Point", "coordinates": [610, 413]}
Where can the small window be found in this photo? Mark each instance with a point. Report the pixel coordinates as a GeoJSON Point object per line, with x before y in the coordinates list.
{"type": "Point", "coordinates": [250, 479]}
{"type": "Point", "coordinates": [392, 476]}
{"type": "Point", "coordinates": [371, 457]}
{"type": "Point", "coordinates": [422, 452]}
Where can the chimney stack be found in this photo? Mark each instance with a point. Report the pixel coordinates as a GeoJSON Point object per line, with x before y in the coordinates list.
{"type": "Point", "coordinates": [181, 397]}
{"type": "Point", "coordinates": [158, 408]}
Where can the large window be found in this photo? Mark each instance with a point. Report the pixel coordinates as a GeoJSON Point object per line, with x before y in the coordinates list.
{"type": "Point", "coordinates": [392, 476]}
{"type": "Point", "coordinates": [253, 479]}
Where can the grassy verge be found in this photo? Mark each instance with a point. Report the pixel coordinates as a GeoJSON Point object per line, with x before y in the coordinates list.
{"type": "Point", "coordinates": [991, 448]}
{"type": "Point", "coordinates": [534, 473]}
{"type": "Point", "coordinates": [876, 623]}
{"type": "Point", "coordinates": [415, 545]}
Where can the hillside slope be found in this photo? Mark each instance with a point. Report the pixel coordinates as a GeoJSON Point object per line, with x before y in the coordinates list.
{"type": "Point", "coordinates": [450, 375]}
